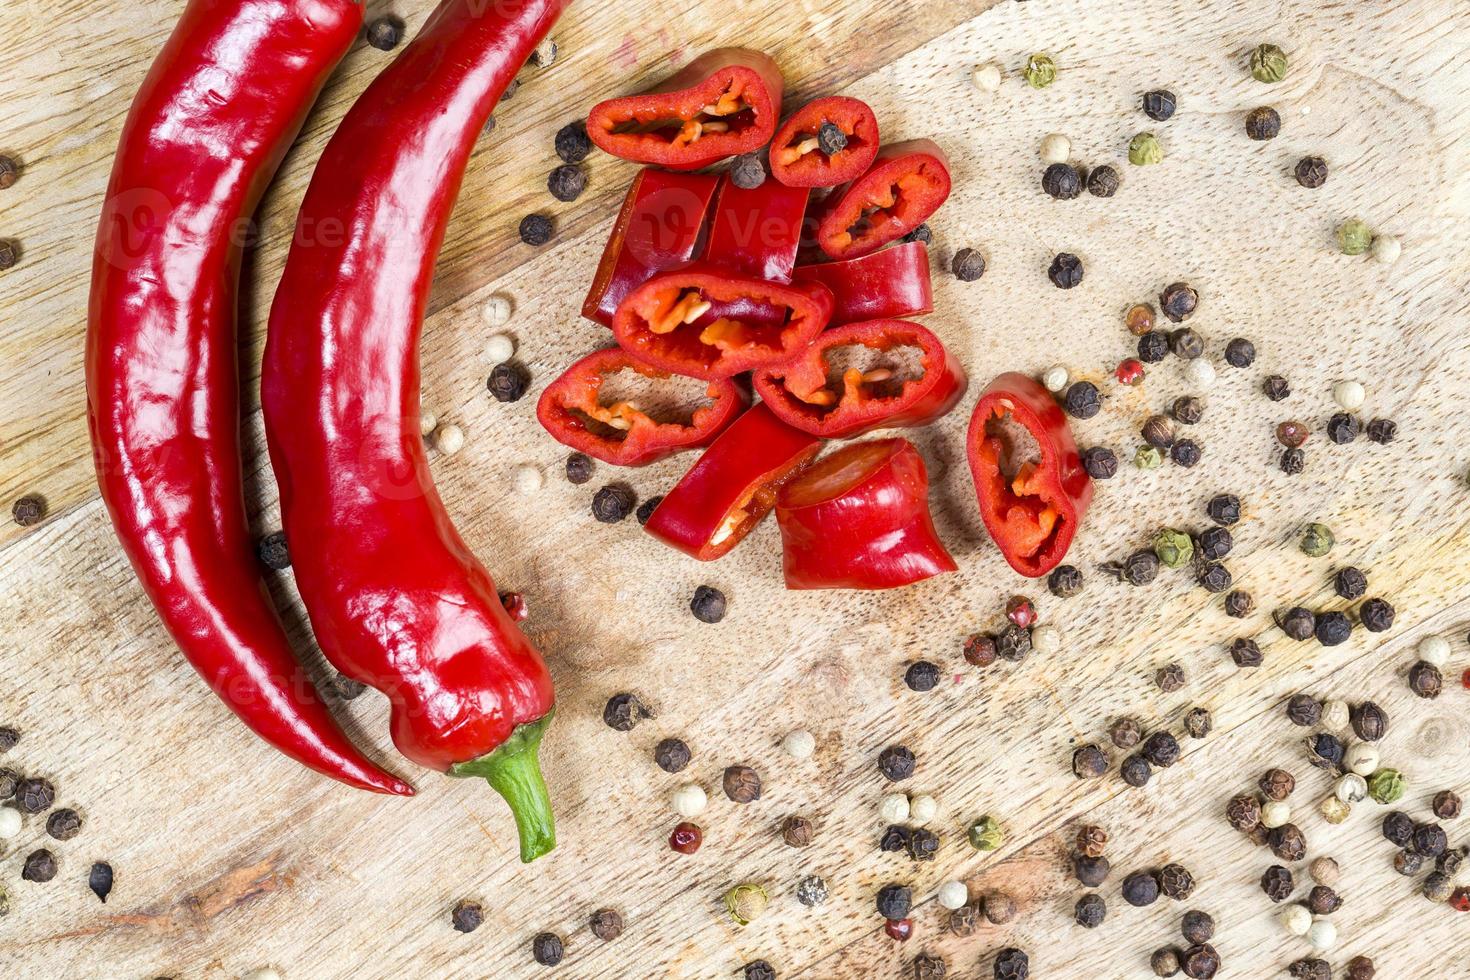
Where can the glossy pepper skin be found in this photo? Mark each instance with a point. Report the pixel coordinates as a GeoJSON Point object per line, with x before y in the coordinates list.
{"type": "Point", "coordinates": [756, 231]}
{"type": "Point", "coordinates": [660, 225]}
{"type": "Point", "coordinates": [208, 128]}
{"type": "Point", "coordinates": [706, 322]}
{"type": "Point", "coordinates": [885, 285]}
{"type": "Point", "coordinates": [732, 487]}
{"type": "Point", "coordinates": [622, 434]}
{"type": "Point", "coordinates": [1031, 507]}
{"type": "Point", "coordinates": [859, 519]}
{"type": "Point", "coordinates": [395, 597]}
{"type": "Point", "coordinates": [799, 393]}
{"type": "Point", "coordinates": [723, 103]}
{"type": "Point", "coordinates": [797, 160]}
{"type": "Point", "coordinates": [905, 186]}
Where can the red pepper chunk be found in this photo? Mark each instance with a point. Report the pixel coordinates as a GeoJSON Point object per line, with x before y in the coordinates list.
{"type": "Point", "coordinates": [622, 433]}
{"type": "Point", "coordinates": [812, 394]}
{"type": "Point", "coordinates": [658, 228]}
{"type": "Point", "coordinates": [732, 487]}
{"type": "Point", "coordinates": [1029, 477]}
{"type": "Point", "coordinates": [881, 286]}
{"type": "Point", "coordinates": [859, 519]}
{"type": "Point", "coordinates": [757, 231]}
{"type": "Point", "coordinates": [705, 322]}
{"type": "Point", "coordinates": [906, 184]}
{"type": "Point", "coordinates": [721, 104]}
{"type": "Point", "coordinates": [797, 158]}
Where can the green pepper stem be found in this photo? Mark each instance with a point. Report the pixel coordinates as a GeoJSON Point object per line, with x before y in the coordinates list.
{"type": "Point", "coordinates": [514, 771]}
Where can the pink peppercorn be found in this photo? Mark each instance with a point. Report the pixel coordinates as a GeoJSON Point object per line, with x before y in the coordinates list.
{"type": "Point", "coordinates": [686, 838]}
{"type": "Point", "coordinates": [1021, 611]}
{"type": "Point", "coordinates": [899, 929]}
{"type": "Point", "coordinates": [1129, 372]}
{"type": "Point", "coordinates": [1460, 899]}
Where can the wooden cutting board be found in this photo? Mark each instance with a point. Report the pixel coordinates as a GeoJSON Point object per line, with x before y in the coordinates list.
{"type": "Point", "coordinates": [230, 858]}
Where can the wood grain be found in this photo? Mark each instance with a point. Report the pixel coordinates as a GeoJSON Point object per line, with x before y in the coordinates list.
{"type": "Point", "coordinates": [229, 858]}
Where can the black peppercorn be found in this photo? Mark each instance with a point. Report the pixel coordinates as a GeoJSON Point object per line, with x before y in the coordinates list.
{"type": "Point", "coordinates": [579, 468]}
{"type": "Point", "coordinates": [923, 845]}
{"type": "Point", "coordinates": [9, 173]}
{"type": "Point", "coordinates": [1211, 575]}
{"type": "Point", "coordinates": [1186, 343]}
{"type": "Point", "coordinates": [1376, 615]}
{"type": "Point", "coordinates": [1141, 567]}
{"type": "Point", "coordinates": [1304, 710]}
{"type": "Point", "coordinates": [1276, 784]}
{"type": "Point", "coordinates": [1325, 751]}
{"type": "Point", "coordinates": [1245, 652]}
{"type": "Point", "coordinates": [1214, 543]}
{"type": "Point", "coordinates": [645, 510]}
{"type": "Point", "coordinates": [920, 234]}
{"type": "Point", "coordinates": [1164, 962]}
{"type": "Point", "coordinates": [1012, 964]}
{"type": "Point", "coordinates": [466, 916]}
{"type": "Point", "coordinates": [1082, 400]}
{"type": "Point", "coordinates": [10, 737]}
{"type": "Point", "coordinates": [624, 711]}
{"type": "Point", "coordinates": [1201, 962]}
{"type": "Point", "coordinates": [1360, 968]}
{"type": "Point", "coordinates": [64, 823]}
{"type": "Point", "coordinates": [536, 229]}
{"type": "Point", "coordinates": [1159, 104]}
{"type": "Point", "coordinates": [99, 879]}
{"type": "Point", "coordinates": [894, 839]}
{"type": "Point", "coordinates": [1089, 762]}
{"type": "Point", "coordinates": [1177, 883]}
{"type": "Point", "coordinates": [1276, 387]}
{"type": "Point", "coordinates": [968, 265]}
{"type": "Point", "coordinates": [1430, 840]}
{"type": "Point", "coordinates": [1187, 410]}
{"type": "Point", "coordinates": [547, 949]}
{"type": "Point", "coordinates": [1287, 842]}
{"type": "Point", "coordinates": [1197, 927]}
{"type": "Point", "coordinates": [272, 551]}
{"type": "Point", "coordinates": [1198, 722]}
{"type": "Point", "coordinates": [1322, 900]}
{"type": "Point", "coordinates": [1425, 680]}
{"type": "Point", "coordinates": [671, 754]}
{"type": "Point", "coordinates": [1062, 181]}
{"type": "Point", "coordinates": [742, 784]}
{"type": "Point", "coordinates": [1140, 889]}
{"type": "Point", "coordinates": [1065, 581]}
{"type": "Point", "coordinates": [1277, 883]}
{"type": "Point", "coordinates": [1342, 428]}
{"type": "Point", "coordinates": [1161, 749]}
{"type": "Point", "coordinates": [1310, 969]}
{"type": "Point", "coordinates": [1243, 812]}
{"type": "Point", "coordinates": [572, 142]}
{"type": "Point", "coordinates": [1311, 172]}
{"type": "Point", "coordinates": [1224, 509]}
{"type": "Point", "coordinates": [1298, 622]}
{"type": "Point", "coordinates": [1170, 678]}
{"type": "Point", "coordinates": [1382, 431]}
{"type": "Point", "coordinates": [897, 764]}
{"type": "Point", "coordinates": [1263, 123]}
{"type": "Point", "coordinates": [747, 172]}
{"type": "Point", "coordinates": [9, 253]}
{"type": "Point", "coordinates": [1240, 353]}
{"type": "Point", "coordinates": [1013, 643]}
{"type": "Point", "coordinates": [1450, 862]}
{"type": "Point", "coordinates": [1293, 461]}
{"type": "Point", "coordinates": [1158, 431]}
{"type": "Point", "coordinates": [508, 381]}
{"type": "Point", "coordinates": [1333, 628]}
{"type": "Point", "coordinates": [1350, 583]}
{"type": "Point", "coordinates": [39, 866]}
{"type": "Point", "coordinates": [1100, 462]}
{"type": "Point", "coordinates": [567, 182]}
{"type": "Point", "coordinates": [921, 676]}
{"type": "Point", "coordinates": [759, 970]}
{"type": "Point", "coordinates": [1065, 271]}
{"type": "Point", "coordinates": [1153, 346]}
{"type": "Point", "coordinates": [830, 138]}
{"type": "Point", "coordinates": [29, 510]}
{"type": "Point", "coordinates": [1103, 181]}
{"type": "Point", "coordinates": [34, 795]}
{"type": "Point", "coordinates": [1185, 453]}
{"type": "Point", "coordinates": [1446, 804]}
{"type": "Point", "coordinates": [1125, 733]}
{"type": "Point", "coordinates": [894, 901]}
{"type": "Point", "coordinates": [1090, 911]}
{"type": "Point", "coordinates": [1239, 604]}
{"type": "Point", "coordinates": [1178, 302]}
{"type": "Point", "coordinates": [1437, 887]}
{"type": "Point", "coordinates": [384, 33]}
{"type": "Point", "coordinates": [1136, 771]}
{"type": "Point", "coordinates": [708, 604]}
{"type": "Point", "coordinates": [612, 504]}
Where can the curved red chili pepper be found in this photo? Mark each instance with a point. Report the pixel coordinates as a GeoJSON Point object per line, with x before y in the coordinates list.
{"type": "Point", "coordinates": [859, 519]}
{"type": "Point", "coordinates": [208, 128]}
{"type": "Point", "coordinates": [723, 103]}
{"type": "Point", "coordinates": [732, 487]}
{"type": "Point", "coordinates": [805, 394]}
{"type": "Point", "coordinates": [1032, 497]}
{"type": "Point", "coordinates": [706, 322]}
{"type": "Point", "coordinates": [905, 186]}
{"type": "Point", "coordinates": [886, 285]}
{"type": "Point", "coordinates": [756, 231]}
{"type": "Point", "coordinates": [396, 598]}
{"type": "Point", "coordinates": [622, 433]}
{"type": "Point", "coordinates": [797, 159]}
{"type": "Point", "coordinates": [658, 228]}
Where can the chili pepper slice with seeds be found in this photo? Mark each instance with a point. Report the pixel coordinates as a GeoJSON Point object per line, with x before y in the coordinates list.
{"type": "Point", "coordinates": [732, 487]}
{"type": "Point", "coordinates": [905, 186]}
{"type": "Point", "coordinates": [859, 519]}
{"type": "Point", "coordinates": [756, 231]}
{"type": "Point", "coordinates": [1029, 478]}
{"type": "Point", "coordinates": [659, 227]}
{"type": "Point", "coordinates": [395, 597]}
{"type": "Point", "coordinates": [623, 434]}
{"type": "Point", "coordinates": [199, 146]}
{"type": "Point", "coordinates": [813, 394]}
{"type": "Point", "coordinates": [885, 285]}
{"type": "Point", "coordinates": [723, 103]}
{"type": "Point", "coordinates": [706, 322]}
{"type": "Point", "coordinates": [825, 143]}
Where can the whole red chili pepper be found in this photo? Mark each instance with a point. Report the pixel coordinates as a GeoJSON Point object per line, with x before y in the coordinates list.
{"type": "Point", "coordinates": [723, 103]}
{"type": "Point", "coordinates": [622, 433]}
{"type": "Point", "coordinates": [802, 394]}
{"type": "Point", "coordinates": [396, 598]}
{"type": "Point", "coordinates": [732, 487]}
{"type": "Point", "coordinates": [704, 321]}
{"type": "Point", "coordinates": [797, 156]}
{"type": "Point", "coordinates": [208, 128]}
{"type": "Point", "coordinates": [658, 228]}
{"type": "Point", "coordinates": [1029, 477]}
{"type": "Point", "coordinates": [756, 231]}
{"type": "Point", "coordinates": [885, 285]}
{"type": "Point", "coordinates": [906, 184]}
{"type": "Point", "coordinates": [859, 519]}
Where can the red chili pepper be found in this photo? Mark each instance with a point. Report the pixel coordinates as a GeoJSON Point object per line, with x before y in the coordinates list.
{"type": "Point", "coordinates": [623, 434]}
{"type": "Point", "coordinates": [797, 158]}
{"type": "Point", "coordinates": [732, 487]}
{"type": "Point", "coordinates": [395, 597]}
{"type": "Point", "coordinates": [721, 104]}
{"type": "Point", "coordinates": [162, 382]}
{"type": "Point", "coordinates": [756, 232]}
{"type": "Point", "coordinates": [658, 228]}
{"type": "Point", "coordinates": [906, 184]}
{"type": "Point", "coordinates": [859, 519]}
{"type": "Point", "coordinates": [1033, 489]}
{"type": "Point", "coordinates": [803, 393]}
{"type": "Point", "coordinates": [886, 285]}
{"type": "Point", "coordinates": [705, 322]}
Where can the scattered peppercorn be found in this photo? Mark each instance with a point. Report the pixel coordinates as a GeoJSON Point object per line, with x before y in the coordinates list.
{"type": "Point", "coordinates": [1277, 784]}
{"type": "Point", "coordinates": [1291, 433]}
{"type": "Point", "coordinates": [547, 949]}
{"type": "Point", "coordinates": [1065, 271]}
{"type": "Point", "coordinates": [1082, 400]}
{"type": "Point", "coordinates": [895, 838]}
{"type": "Point", "coordinates": [894, 901]}
{"type": "Point", "coordinates": [922, 845]}
{"type": "Point", "coordinates": [1446, 804]}
{"type": "Point", "coordinates": [1386, 786]}
{"type": "Point", "coordinates": [1186, 343]}
{"type": "Point", "coordinates": [1153, 346]}
{"type": "Point", "coordinates": [645, 510]}
{"type": "Point", "coordinates": [1376, 615]}
{"type": "Point", "coordinates": [1214, 543]}
{"type": "Point", "coordinates": [508, 381]}
{"type": "Point", "coordinates": [742, 784]}
{"type": "Point", "coordinates": [927, 966]}
{"type": "Point", "coordinates": [567, 182]}
{"type": "Point", "coordinates": [1325, 751]}
{"type": "Point", "coordinates": [1092, 840]}
{"type": "Point", "coordinates": [1140, 889]}
{"type": "Point", "coordinates": [1100, 462]}
{"type": "Point", "coordinates": [811, 891]}
{"type": "Point", "coordinates": [1170, 678]}
{"type": "Point", "coordinates": [759, 970]}
{"type": "Point", "coordinates": [1311, 172]}
{"type": "Point", "coordinates": [1140, 568]}
{"type": "Point", "coordinates": [1263, 123]}
{"type": "Point", "coordinates": [1126, 733]}
{"type": "Point", "coordinates": [1062, 181]}
{"type": "Point", "coordinates": [746, 902]}
{"type": "Point", "coordinates": [896, 763]}
{"type": "Point", "coordinates": [920, 234]}
{"type": "Point", "coordinates": [1310, 969]}
{"type": "Point", "coordinates": [624, 711]}
{"type": "Point", "coordinates": [34, 795]}
{"type": "Point", "coordinates": [1212, 576]}
{"type": "Point", "coordinates": [1342, 428]}
{"type": "Point", "coordinates": [1090, 911]}
{"type": "Point", "coordinates": [9, 783]}
{"type": "Point", "coordinates": [1276, 387]}
{"type": "Point", "coordinates": [672, 755]}
{"type": "Point", "coordinates": [1298, 623]}
{"type": "Point", "coordinates": [1136, 771]}
{"type": "Point", "coordinates": [1161, 749]}
{"type": "Point", "coordinates": [747, 172]}
{"type": "Point", "coordinates": [1370, 722]}
{"type": "Point", "coordinates": [921, 676]}
{"type": "Point", "coordinates": [1245, 652]}
{"type": "Point", "coordinates": [968, 265]}
{"type": "Point", "coordinates": [10, 737]}
{"type": "Point", "coordinates": [1198, 722]}
{"type": "Point", "coordinates": [64, 824]}
{"type": "Point", "coordinates": [1425, 680]}
{"type": "Point", "coordinates": [1201, 962]}
{"type": "Point", "coordinates": [1013, 643]}
{"type": "Point", "coordinates": [572, 142]}
{"type": "Point", "coordinates": [1317, 540]}
{"type": "Point", "coordinates": [1164, 962]}
{"type": "Point", "coordinates": [1040, 70]}
{"type": "Point", "coordinates": [612, 504]}
{"type": "Point", "coordinates": [1177, 883]}
{"type": "Point", "coordinates": [1333, 628]}
{"type": "Point", "coordinates": [986, 834]}
{"type": "Point", "coordinates": [686, 838]}
{"type": "Point", "coordinates": [979, 650]}
{"type": "Point", "coordinates": [1360, 968]}
{"type": "Point", "coordinates": [39, 866]}
{"type": "Point", "coordinates": [1243, 812]}
{"type": "Point", "coordinates": [1089, 762]}
{"type": "Point", "coordinates": [1430, 840]}
{"type": "Point", "coordinates": [1144, 149]}
{"type": "Point", "coordinates": [1197, 927]}
{"type": "Point", "coordinates": [1065, 581]}
{"type": "Point", "coordinates": [1159, 104]}
{"type": "Point", "coordinates": [1012, 964]}
{"type": "Point", "coordinates": [964, 920]}
{"type": "Point", "coordinates": [9, 173]}
{"type": "Point", "coordinates": [1178, 302]}
{"type": "Point", "coordinates": [466, 916]}
{"type": "Point", "coordinates": [1354, 237]}
{"type": "Point", "coordinates": [1350, 582]}
{"type": "Point", "coordinates": [536, 229]}
{"type": "Point", "coordinates": [1303, 709]}
{"type": "Point", "coordinates": [1187, 410]}
{"type": "Point", "coordinates": [1382, 431]}
{"type": "Point", "coordinates": [708, 604]}
{"type": "Point", "coordinates": [579, 468]}
{"type": "Point", "coordinates": [29, 510]}
{"type": "Point", "coordinates": [99, 879]}
{"type": "Point", "coordinates": [1239, 604]}
{"type": "Point", "coordinates": [384, 33]}
{"type": "Point", "coordinates": [1240, 353]}
{"type": "Point", "coordinates": [1277, 883]}
{"type": "Point", "coordinates": [1437, 887]}
{"type": "Point", "coordinates": [1103, 181]}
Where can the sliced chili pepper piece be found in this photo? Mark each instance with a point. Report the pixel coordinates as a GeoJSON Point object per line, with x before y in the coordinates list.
{"type": "Point", "coordinates": [906, 184]}
{"type": "Point", "coordinates": [810, 393]}
{"type": "Point", "coordinates": [622, 433]}
{"type": "Point", "coordinates": [797, 156]}
{"type": "Point", "coordinates": [658, 228]}
{"type": "Point", "coordinates": [732, 487]}
{"type": "Point", "coordinates": [757, 231]}
{"type": "Point", "coordinates": [1029, 477]}
{"type": "Point", "coordinates": [859, 519]}
{"type": "Point", "coordinates": [706, 322]}
{"type": "Point", "coordinates": [723, 103]}
{"type": "Point", "coordinates": [881, 286]}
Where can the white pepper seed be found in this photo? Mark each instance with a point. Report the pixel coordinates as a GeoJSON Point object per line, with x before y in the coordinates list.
{"type": "Point", "coordinates": [1349, 394]}
{"type": "Point", "coordinates": [1055, 148]}
{"type": "Point", "coordinates": [986, 77]}
{"type": "Point", "coordinates": [1351, 788]}
{"type": "Point", "coordinates": [1322, 935]}
{"type": "Point", "coordinates": [1046, 639]}
{"type": "Point", "coordinates": [1275, 813]}
{"type": "Point", "coordinates": [894, 808]}
{"type": "Point", "coordinates": [449, 439]}
{"type": "Point", "coordinates": [497, 310]}
{"type": "Point", "coordinates": [499, 348]}
{"type": "Point", "coordinates": [1434, 650]}
{"type": "Point", "coordinates": [428, 422]}
{"type": "Point", "coordinates": [923, 808]}
{"type": "Point", "coordinates": [1296, 920]}
{"type": "Point", "coordinates": [10, 821]}
{"type": "Point", "coordinates": [1336, 715]}
{"type": "Point", "coordinates": [1361, 758]}
{"type": "Point", "coordinates": [1055, 378]}
{"type": "Point", "coordinates": [689, 800]}
{"type": "Point", "coordinates": [799, 744]}
{"type": "Point", "coordinates": [1386, 249]}
{"type": "Point", "coordinates": [1200, 373]}
{"type": "Point", "coordinates": [1333, 810]}
{"type": "Point", "coordinates": [954, 894]}
{"type": "Point", "coordinates": [529, 479]}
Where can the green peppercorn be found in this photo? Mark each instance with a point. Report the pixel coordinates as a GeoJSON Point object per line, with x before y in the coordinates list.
{"type": "Point", "coordinates": [1317, 540]}
{"type": "Point", "coordinates": [1386, 786]}
{"type": "Point", "coordinates": [1174, 548]}
{"type": "Point", "coordinates": [1148, 458]}
{"type": "Point", "coordinates": [1268, 63]}
{"type": "Point", "coordinates": [1354, 237]}
{"type": "Point", "coordinates": [1040, 72]}
{"type": "Point", "coordinates": [745, 902]}
{"type": "Point", "coordinates": [1144, 149]}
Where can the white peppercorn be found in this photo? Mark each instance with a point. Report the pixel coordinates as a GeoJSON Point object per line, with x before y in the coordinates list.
{"type": "Point", "coordinates": [689, 800]}
{"type": "Point", "coordinates": [1275, 813]}
{"type": "Point", "coordinates": [1361, 758]}
{"type": "Point", "coordinates": [1055, 148]}
{"type": "Point", "coordinates": [986, 77]}
{"type": "Point", "coordinates": [894, 808]}
{"type": "Point", "coordinates": [428, 422]}
{"type": "Point", "coordinates": [1322, 935]}
{"type": "Point", "coordinates": [1200, 373]}
{"type": "Point", "coordinates": [528, 479]}
{"type": "Point", "coordinates": [1336, 715]}
{"type": "Point", "coordinates": [1349, 394]}
{"type": "Point", "coordinates": [1334, 810]}
{"type": "Point", "coordinates": [799, 744]}
{"type": "Point", "coordinates": [1434, 650]}
{"type": "Point", "coordinates": [1386, 249]}
{"type": "Point", "coordinates": [499, 348]}
{"type": "Point", "coordinates": [449, 439]}
{"type": "Point", "coordinates": [954, 894]}
{"type": "Point", "coordinates": [10, 822]}
{"type": "Point", "coordinates": [1055, 378]}
{"type": "Point", "coordinates": [1296, 920]}
{"type": "Point", "coordinates": [496, 311]}
{"type": "Point", "coordinates": [923, 808]}
{"type": "Point", "coordinates": [1351, 788]}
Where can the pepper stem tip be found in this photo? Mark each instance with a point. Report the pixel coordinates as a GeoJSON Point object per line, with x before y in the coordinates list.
{"type": "Point", "coordinates": [513, 770]}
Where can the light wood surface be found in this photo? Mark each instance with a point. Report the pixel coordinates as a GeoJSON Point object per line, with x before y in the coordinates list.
{"type": "Point", "coordinates": [229, 857]}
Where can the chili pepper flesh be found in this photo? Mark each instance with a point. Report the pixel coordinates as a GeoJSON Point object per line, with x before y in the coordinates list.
{"type": "Point", "coordinates": [757, 231]}
{"type": "Point", "coordinates": [889, 284]}
{"type": "Point", "coordinates": [797, 158]}
{"type": "Point", "coordinates": [905, 186]}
